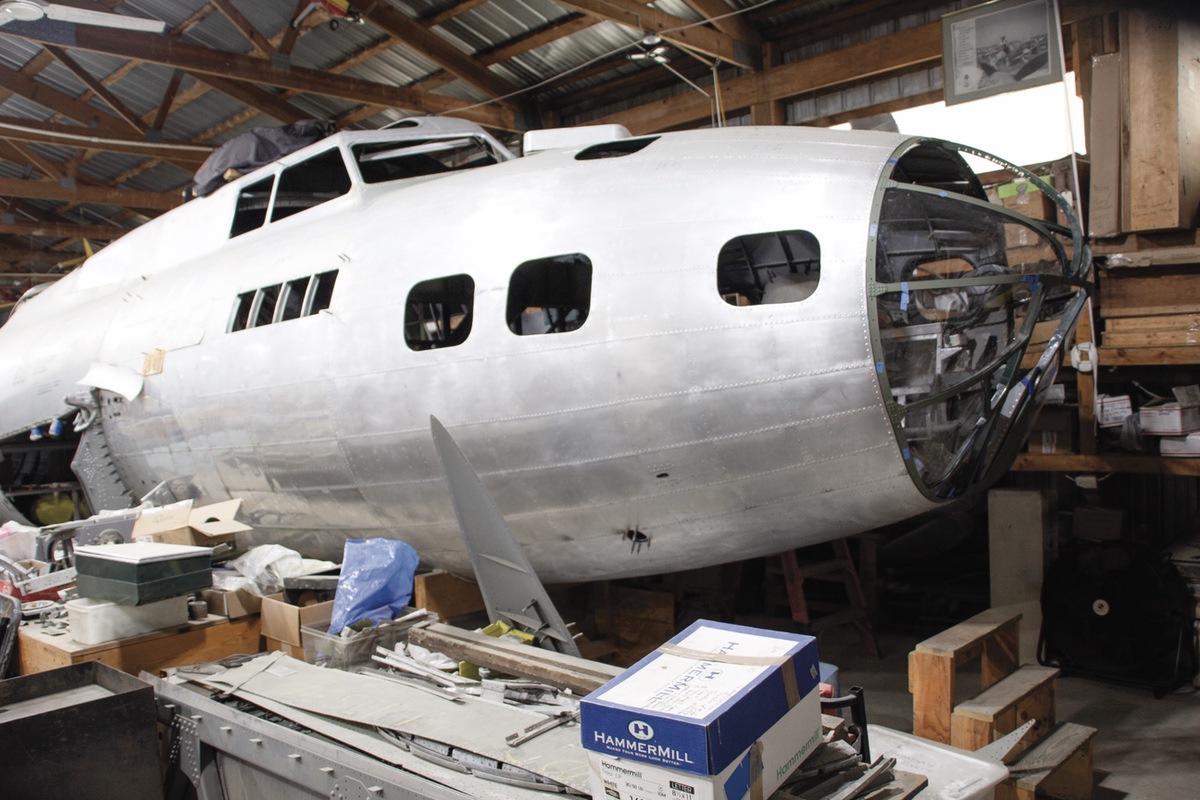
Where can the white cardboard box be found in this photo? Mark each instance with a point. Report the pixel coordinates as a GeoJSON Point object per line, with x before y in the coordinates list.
{"type": "Point", "coordinates": [716, 712]}
{"type": "Point", "coordinates": [1180, 446]}
{"type": "Point", "coordinates": [1113, 410]}
{"type": "Point", "coordinates": [1173, 418]}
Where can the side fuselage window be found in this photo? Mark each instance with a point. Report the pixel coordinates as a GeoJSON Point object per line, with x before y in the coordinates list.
{"type": "Point", "coordinates": [763, 268]}
{"type": "Point", "coordinates": [280, 302]}
{"type": "Point", "coordinates": [550, 295]}
{"type": "Point", "coordinates": [438, 312]}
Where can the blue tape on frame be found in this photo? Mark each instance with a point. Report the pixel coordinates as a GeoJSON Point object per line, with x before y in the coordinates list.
{"type": "Point", "coordinates": [879, 367]}
{"type": "Point", "coordinates": [905, 454]}
{"type": "Point", "coordinates": [904, 296]}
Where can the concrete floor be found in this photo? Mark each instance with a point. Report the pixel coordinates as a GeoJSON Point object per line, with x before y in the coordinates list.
{"type": "Point", "coordinates": [1145, 748]}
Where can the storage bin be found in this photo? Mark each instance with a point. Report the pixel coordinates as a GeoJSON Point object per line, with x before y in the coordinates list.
{"type": "Point", "coordinates": [343, 652]}
{"type": "Point", "coordinates": [138, 573]}
{"type": "Point", "coordinates": [95, 621]}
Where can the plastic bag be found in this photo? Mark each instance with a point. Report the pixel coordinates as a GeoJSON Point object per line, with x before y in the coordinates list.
{"type": "Point", "coordinates": [268, 564]}
{"type": "Point", "coordinates": [376, 581]}
{"type": "Point", "coordinates": [17, 541]}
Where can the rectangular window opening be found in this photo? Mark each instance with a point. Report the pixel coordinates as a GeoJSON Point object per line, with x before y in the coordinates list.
{"type": "Point", "coordinates": [322, 292]}
{"type": "Point", "coordinates": [550, 295]}
{"type": "Point", "coordinates": [252, 205]}
{"type": "Point", "coordinates": [292, 305]}
{"type": "Point", "coordinates": [265, 313]}
{"type": "Point", "coordinates": [438, 312]}
{"type": "Point", "coordinates": [310, 183]}
{"type": "Point", "coordinates": [241, 311]}
{"type": "Point", "coordinates": [765, 268]}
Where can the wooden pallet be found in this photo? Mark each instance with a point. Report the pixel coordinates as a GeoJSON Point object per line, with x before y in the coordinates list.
{"type": "Point", "coordinates": [992, 638]}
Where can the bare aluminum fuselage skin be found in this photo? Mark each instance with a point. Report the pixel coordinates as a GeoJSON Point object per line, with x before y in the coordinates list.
{"type": "Point", "coordinates": [720, 432]}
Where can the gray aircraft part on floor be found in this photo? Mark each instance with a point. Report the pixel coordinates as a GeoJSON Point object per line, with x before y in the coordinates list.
{"type": "Point", "coordinates": [511, 589]}
{"type": "Point", "coordinates": [687, 421]}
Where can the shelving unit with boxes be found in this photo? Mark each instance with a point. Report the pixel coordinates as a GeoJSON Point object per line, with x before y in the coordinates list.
{"type": "Point", "coordinates": [1144, 194]}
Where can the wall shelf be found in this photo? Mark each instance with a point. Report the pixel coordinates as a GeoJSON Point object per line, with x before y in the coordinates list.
{"type": "Point", "coordinates": [1109, 462]}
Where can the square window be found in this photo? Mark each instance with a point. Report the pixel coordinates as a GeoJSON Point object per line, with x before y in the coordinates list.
{"type": "Point", "coordinates": [550, 295]}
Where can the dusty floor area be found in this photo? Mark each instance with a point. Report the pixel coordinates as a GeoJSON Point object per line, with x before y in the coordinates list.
{"type": "Point", "coordinates": [1145, 748]}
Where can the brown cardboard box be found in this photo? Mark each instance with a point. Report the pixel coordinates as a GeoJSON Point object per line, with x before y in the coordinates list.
{"type": "Point", "coordinates": [1053, 431]}
{"type": "Point", "coordinates": [235, 604]}
{"type": "Point", "coordinates": [282, 620]}
{"type": "Point", "coordinates": [293, 650]}
{"type": "Point", "coordinates": [1026, 198]}
{"type": "Point", "coordinates": [180, 523]}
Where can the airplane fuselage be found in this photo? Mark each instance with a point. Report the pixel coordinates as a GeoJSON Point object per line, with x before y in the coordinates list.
{"type": "Point", "coordinates": [672, 429]}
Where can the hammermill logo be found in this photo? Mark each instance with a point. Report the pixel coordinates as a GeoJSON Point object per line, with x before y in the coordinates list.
{"type": "Point", "coordinates": [638, 744]}
{"type": "Point", "coordinates": [641, 730]}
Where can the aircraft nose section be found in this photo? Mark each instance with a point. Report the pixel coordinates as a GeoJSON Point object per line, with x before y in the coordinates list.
{"type": "Point", "coordinates": [970, 305]}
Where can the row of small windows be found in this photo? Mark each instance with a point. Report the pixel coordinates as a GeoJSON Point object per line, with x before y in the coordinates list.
{"type": "Point", "coordinates": [280, 302]}
{"type": "Point", "coordinates": [549, 295]}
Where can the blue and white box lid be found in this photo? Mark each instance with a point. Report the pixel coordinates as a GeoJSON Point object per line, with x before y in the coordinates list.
{"type": "Point", "coordinates": [700, 700]}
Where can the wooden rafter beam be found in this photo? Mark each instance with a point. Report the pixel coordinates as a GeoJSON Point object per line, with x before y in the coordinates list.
{"type": "Point", "coordinates": [62, 230]}
{"type": "Point", "coordinates": [103, 195]}
{"type": "Point", "coordinates": [676, 30]}
{"type": "Point", "coordinates": [272, 105]}
{"type": "Point", "coordinates": [886, 54]}
{"type": "Point", "coordinates": [258, 42]}
{"type": "Point", "coordinates": [44, 165]}
{"type": "Point", "coordinates": [723, 19]}
{"type": "Point", "coordinates": [846, 19]}
{"type": "Point", "coordinates": [98, 88]}
{"type": "Point", "coordinates": [27, 130]}
{"type": "Point", "coordinates": [895, 53]}
{"type": "Point", "coordinates": [453, 11]}
{"type": "Point", "coordinates": [779, 7]}
{"type": "Point", "coordinates": [164, 105]}
{"type": "Point", "coordinates": [535, 38]}
{"type": "Point", "coordinates": [409, 31]}
{"type": "Point", "coordinates": [23, 257]}
{"type": "Point", "coordinates": [291, 34]}
{"type": "Point", "coordinates": [59, 102]}
{"type": "Point", "coordinates": [197, 59]}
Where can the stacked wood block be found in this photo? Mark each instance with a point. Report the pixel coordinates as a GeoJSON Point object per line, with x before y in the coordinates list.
{"type": "Point", "coordinates": [1050, 762]}
{"type": "Point", "coordinates": [1145, 118]}
{"type": "Point", "coordinates": [1152, 309]}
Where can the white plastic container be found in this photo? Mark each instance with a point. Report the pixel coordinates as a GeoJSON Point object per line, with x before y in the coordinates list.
{"type": "Point", "coordinates": [95, 621]}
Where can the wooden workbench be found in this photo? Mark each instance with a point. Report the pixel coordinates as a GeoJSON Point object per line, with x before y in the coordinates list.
{"type": "Point", "coordinates": [195, 643]}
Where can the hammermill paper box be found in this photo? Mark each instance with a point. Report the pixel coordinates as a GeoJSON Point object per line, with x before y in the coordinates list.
{"type": "Point", "coordinates": [720, 712]}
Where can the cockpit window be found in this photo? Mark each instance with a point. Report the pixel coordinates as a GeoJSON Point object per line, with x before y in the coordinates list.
{"type": "Point", "coordinates": [765, 268]}
{"type": "Point", "coordinates": [252, 205]}
{"type": "Point", "coordinates": [310, 183]}
{"type": "Point", "coordinates": [413, 158]}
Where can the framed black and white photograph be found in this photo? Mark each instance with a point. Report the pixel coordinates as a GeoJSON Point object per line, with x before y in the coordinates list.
{"type": "Point", "coordinates": [1000, 47]}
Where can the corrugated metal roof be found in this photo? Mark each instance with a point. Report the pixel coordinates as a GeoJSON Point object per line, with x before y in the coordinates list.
{"type": "Point", "coordinates": [481, 29]}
